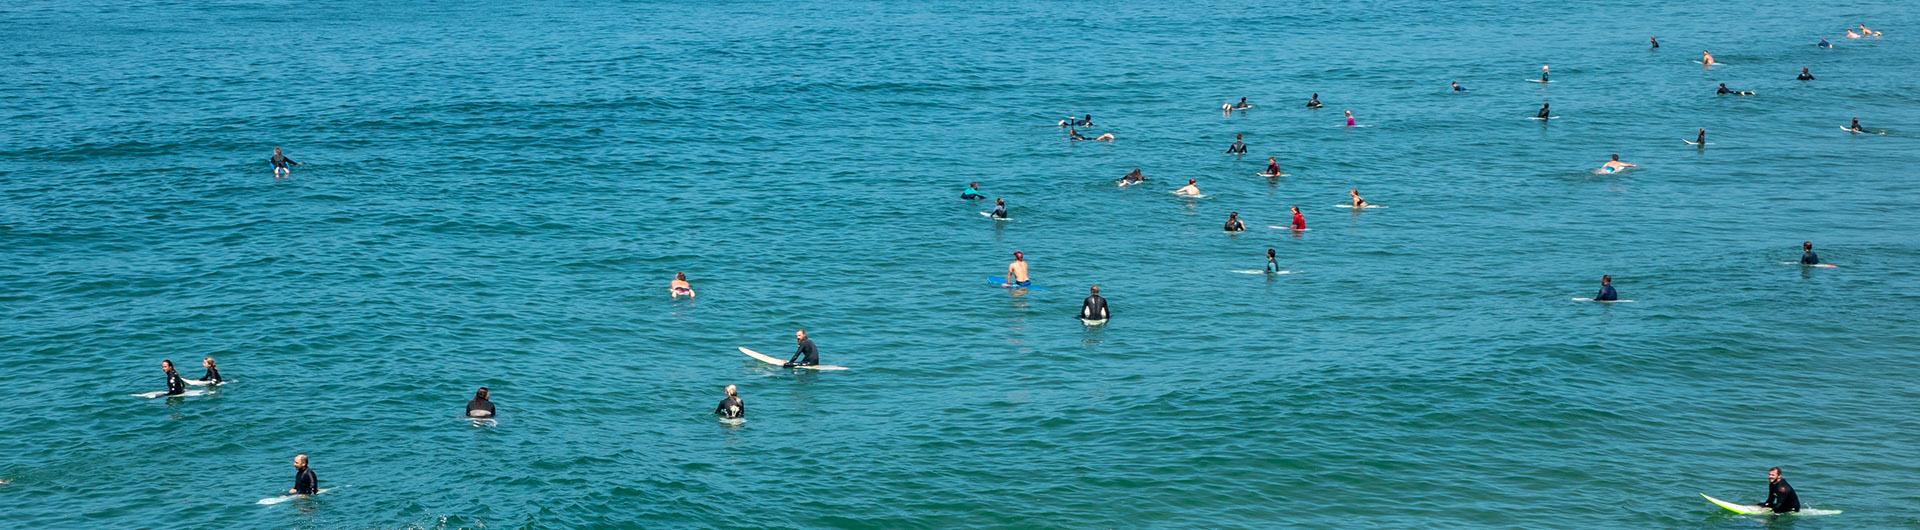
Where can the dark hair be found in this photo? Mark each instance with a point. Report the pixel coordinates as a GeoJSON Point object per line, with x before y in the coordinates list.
{"type": "Point", "coordinates": [1776, 469]}
{"type": "Point", "coordinates": [481, 394]}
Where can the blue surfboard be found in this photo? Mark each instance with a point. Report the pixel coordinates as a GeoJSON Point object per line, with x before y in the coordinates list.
{"type": "Point", "coordinates": [999, 281]}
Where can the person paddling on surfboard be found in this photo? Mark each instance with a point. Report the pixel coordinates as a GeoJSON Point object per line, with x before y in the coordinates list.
{"type": "Point", "coordinates": [999, 208]}
{"type": "Point", "coordinates": [1807, 257]}
{"type": "Point", "coordinates": [1543, 73]}
{"type": "Point", "coordinates": [1094, 307]}
{"type": "Point", "coordinates": [1017, 272]}
{"type": "Point", "coordinates": [1457, 87]}
{"type": "Point", "coordinates": [972, 192]}
{"type": "Point", "coordinates": [680, 287]}
{"type": "Point", "coordinates": [1192, 189]}
{"type": "Point", "coordinates": [304, 483]}
{"type": "Point", "coordinates": [1234, 224]}
{"type": "Point", "coordinates": [1724, 91]}
{"type": "Point", "coordinates": [1238, 147]}
{"type": "Point", "coordinates": [1350, 121]}
{"type": "Point", "coordinates": [1855, 126]}
{"type": "Point", "coordinates": [805, 354]}
{"type": "Point", "coordinates": [1780, 496]}
{"type": "Point", "coordinates": [480, 406]}
{"type": "Point", "coordinates": [1607, 293]}
{"type": "Point", "coordinates": [1299, 221]}
{"type": "Point", "coordinates": [175, 385]}
{"type": "Point", "coordinates": [1654, 40]}
{"type": "Point", "coordinates": [1133, 177]}
{"type": "Point", "coordinates": [1242, 105]}
{"type": "Point", "coordinates": [1273, 167]}
{"type": "Point", "coordinates": [1543, 114]}
{"type": "Point", "coordinates": [1615, 165]}
{"type": "Point", "coordinates": [1706, 58]}
{"type": "Point", "coordinates": [731, 407]}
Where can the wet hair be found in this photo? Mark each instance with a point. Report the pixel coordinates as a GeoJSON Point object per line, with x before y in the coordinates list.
{"type": "Point", "coordinates": [1807, 245]}
{"type": "Point", "coordinates": [680, 276]}
{"type": "Point", "coordinates": [1096, 288]}
{"type": "Point", "coordinates": [480, 394]}
{"type": "Point", "coordinates": [210, 362]}
{"type": "Point", "coordinates": [168, 362]}
{"type": "Point", "coordinates": [1776, 469]}
{"type": "Point", "coordinates": [1606, 278]}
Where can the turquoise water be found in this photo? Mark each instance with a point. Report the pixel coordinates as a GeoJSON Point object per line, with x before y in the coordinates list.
{"type": "Point", "coordinates": [498, 194]}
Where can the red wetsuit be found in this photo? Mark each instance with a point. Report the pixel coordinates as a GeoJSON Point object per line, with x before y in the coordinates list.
{"type": "Point", "coordinates": [1299, 221]}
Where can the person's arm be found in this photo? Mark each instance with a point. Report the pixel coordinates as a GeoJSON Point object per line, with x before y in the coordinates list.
{"type": "Point", "coordinates": [1010, 276]}
{"type": "Point", "coordinates": [1772, 498]}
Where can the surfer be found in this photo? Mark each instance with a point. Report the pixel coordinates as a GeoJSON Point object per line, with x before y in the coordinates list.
{"type": "Point", "coordinates": [1852, 35]}
{"type": "Point", "coordinates": [1017, 272]}
{"type": "Point", "coordinates": [1234, 224]}
{"type": "Point", "coordinates": [1701, 138]}
{"type": "Point", "coordinates": [1273, 167]}
{"type": "Point", "coordinates": [1299, 221]}
{"type": "Point", "coordinates": [175, 385]}
{"type": "Point", "coordinates": [1358, 202]}
{"type": "Point", "coordinates": [1238, 147]}
{"type": "Point", "coordinates": [1132, 177]}
{"type": "Point", "coordinates": [1823, 43]}
{"type": "Point", "coordinates": [1094, 307]}
{"type": "Point", "coordinates": [1805, 75]}
{"type": "Point", "coordinates": [805, 354]}
{"type": "Point", "coordinates": [1868, 32]}
{"type": "Point", "coordinates": [1242, 105]}
{"type": "Point", "coordinates": [1349, 118]}
{"type": "Point", "coordinates": [1314, 102]}
{"type": "Point", "coordinates": [1780, 495]}
{"type": "Point", "coordinates": [1104, 137]}
{"type": "Point", "coordinates": [1074, 135]}
{"type": "Point", "coordinates": [280, 163]}
{"type": "Point", "coordinates": [1706, 58]}
{"type": "Point", "coordinates": [731, 407]}
{"type": "Point", "coordinates": [1855, 126]}
{"type": "Point", "coordinates": [1543, 73]}
{"type": "Point", "coordinates": [1273, 263]}
{"type": "Point", "coordinates": [1655, 41]}
{"type": "Point", "coordinates": [1543, 114]}
{"type": "Point", "coordinates": [1606, 290]}
{"type": "Point", "coordinates": [1192, 189]}
{"type": "Point", "coordinates": [213, 372]}
{"type": "Point", "coordinates": [480, 406]}
{"type": "Point", "coordinates": [1615, 165]}
{"type": "Point", "coordinates": [1807, 257]}
{"type": "Point", "coordinates": [1086, 121]}
{"type": "Point", "coordinates": [1724, 91]}
{"type": "Point", "coordinates": [972, 192]}
{"type": "Point", "coordinates": [679, 286]}
{"type": "Point", "coordinates": [1457, 87]}
{"type": "Point", "coordinates": [304, 483]}
{"type": "Point", "coordinates": [999, 208]}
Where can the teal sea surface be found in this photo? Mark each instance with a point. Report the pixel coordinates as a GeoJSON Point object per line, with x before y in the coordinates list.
{"type": "Point", "coordinates": [497, 194]}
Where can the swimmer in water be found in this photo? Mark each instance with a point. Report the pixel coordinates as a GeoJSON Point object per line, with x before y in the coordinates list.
{"type": "Point", "coordinates": [1543, 114]}
{"type": "Point", "coordinates": [1238, 147]}
{"type": "Point", "coordinates": [1017, 272]}
{"type": "Point", "coordinates": [1358, 202]}
{"type": "Point", "coordinates": [1654, 40]}
{"type": "Point", "coordinates": [1273, 263]}
{"type": "Point", "coordinates": [679, 287]}
{"type": "Point", "coordinates": [1807, 257]}
{"type": "Point", "coordinates": [1823, 43]}
{"type": "Point", "coordinates": [1349, 118]}
{"type": "Point", "coordinates": [1314, 102]}
{"type": "Point", "coordinates": [1094, 307]}
{"type": "Point", "coordinates": [212, 376]}
{"type": "Point", "coordinates": [1273, 167]}
{"type": "Point", "coordinates": [304, 483]}
{"type": "Point", "coordinates": [1543, 73]}
{"type": "Point", "coordinates": [1706, 58]}
{"type": "Point", "coordinates": [1074, 135]}
{"type": "Point", "coordinates": [1234, 224]}
{"type": "Point", "coordinates": [1242, 105]}
{"type": "Point", "coordinates": [972, 192]}
{"type": "Point", "coordinates": [1192, 189]}
{"type": "Point", "coordinates": [175, 385]}
{"type": "Point", "coordinates": [1132, 177]}
{"type": "Point", "coordinates": [1724, 90]}
{"type": "Point", "coordinates": [1852, 35]}
{"type": "Point", "coordinates": [1607, 293]}
{"type": "Point", "coordinates": [731, 407]}
{"type": "Point", "coordinates": [1868, 32]}
{"type": "Point", "coordinates": [1701, 139]}
{"type": "Point", "coordinates": [1457, 87]}
{"type": "Point", "coordinates": [280, 163]}
{"type": "Point", "coordinates": [1805, 75]}
{"type": "Point", "coordinates": [999, 209]}
{"type": "Point", "coordinates": [1615, 165]}
{"type": "Point", "coordinates": [805, 354]}
{"type": "Point", "coordinates": [1855, 126]}
{"type": "Point", "coordinates": [1299, 221]}
{"type": "Point", "coordinates": [480, 407]}
{"type": "Point", "coordinates": [1780, 496]}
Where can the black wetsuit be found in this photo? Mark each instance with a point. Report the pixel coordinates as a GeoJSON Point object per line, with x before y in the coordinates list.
{"type": "Point", "coordinates": [1700, 139]}
{"type": "Point", "coordinates": [1723, 90]}
{"type": "Point", "coordinates": [1234, 225]}
{"type": "Point", "coordinates": [304, 483]}
{"type": "Point", "coordinates": [1805, 76]}
{"type": "Point", "coordinates": [1781, 498]}
{"type": "Point", "coordinates": [1543, 113]}
{"type": "Point", "coordinates": [1607, 294]}
{"type": "Point", "coordinates": [1237, 148]}
{"type": "Point", "coordinates": [1313, 103]}
{"type": "Point", "coordinates": [212, 377]}
{"type": "Point", "coordinates": [480, 404]}
{"type": "Point", "coordinates": [1094, 308]}
{"type": "Point", "coordinates": [175, 385]}
{"type": "Point", "coordinates": [281, 161]}
{"type": "Point", "coordinates": [731, 408]}
{"type": "Point", "coordinates": [806, 355]}
{"type": "Point", "coordinates": [1273, 266]}
{"type": "Point", "coordinates": [1809, 258]}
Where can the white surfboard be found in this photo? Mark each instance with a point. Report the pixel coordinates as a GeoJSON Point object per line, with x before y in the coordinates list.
{"type": "Point", "coordinates": [269, 501]}
{"type": "Point", "coordinates": [1621, 301]}
{"type": "Point", "coordinates": [1537, 118]}
{"type": "Point", "coordinates": [776, 362]}
{"type": "Point", "coordinates": [1261, 271]}
{"type": "Point", "coordinates": [1092, 323]}
{"type": "Point", "coordinates": [1715, 63]}
{"type": "Point", "coordinates": [989, 215]}
{"type": "Point", "coordinates": [1691, 142]}
{"type": "Point", "coordinates": [1273, 175]}
{"type": "Point", "coordinates": [163, 393]}
{"type": "Point", "coordinates": [1278, 227]}
{"type": "Point", "coordinates": [1820, 265]}
{"type": "Point", "coordinates": [1200, 196]}
{"type": "Point", "coordinates": [1541, 81]}
{"type": "Point", "coordinates": [733, 422]}
{"type": "Point", "coordinates": [1349, 206]}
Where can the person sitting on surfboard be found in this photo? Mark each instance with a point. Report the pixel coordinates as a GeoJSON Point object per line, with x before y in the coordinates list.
{"type": "Point", "coordinates": [1017, 272]}
{"type": "Point", "coordinates": [1192, 189]}
{"type": "Point", "coordinates": [999, 208]}
{"type": "Point", "coordinates": [304, 483]}
{"type": "Point", "coordinates": [1457, 88]}
{"type": "Point", "coordinates": [805, 354]}
{"type": "Point", "coordinates": [1314, 102]}
{"type": "Point", "coordinates": [1242, 105]}
{"type": "Point", "coordinates": [1855, 126]}
{"type": "Point", "coordinates": [1543, 73]}
{"type": "Point", "coordinates": [1132, 177]}
{"type": "Point", "coordinates": [212, 376]}
{"type": "Point", "coordinates": [1780, 496]}
{"type": "Point", "coordinates": [1701, 139]}
{"type": "Point", "coordinates": [1804, 75]}
{"type": "Point", "coordinates": [1234, 224]}
{"type": "Point", "coordinates": [1074, 135]}
{"type": "Point", "coordinates": [1607, 293]}
{"type": "Point", "coordinates": [1238, 147]}
{"type": "Point", "coordinates": [731, 407]}
{"type": "Point", "coordinates": [1654, 40]}
{"type": "Point", "coordinates": [680, 286]}
{"type": "Point", "coordinates": [1094, 307]}
{"type": "Point", "coordinates": [1615, 165]}
{"type": "Point", "coordinates": [175, 385]}
{"type": "Point", "coordinates": [1706, 58]}
{"type": "Point", "coordinates": [1273, 263]}
{"type": "Point", "coordinates": [479, 406]}
{"type": "Point", "coordinates": [1273, 167]}
{"type": "Point", "coordinates": [1358, 202]}
{"type": "Point", "coordinates": [1543, 114]}
{"type": "Point", "coordinates": [972, 192]}
{"type": "Point", "coordinates": [1807, 257]}
{"type": "Point", "coordinates": [280, 163]}
{"type": "Point", "coordinates": [1299, 221]}
{"type": "Point", "coordinates": [1350, 122]}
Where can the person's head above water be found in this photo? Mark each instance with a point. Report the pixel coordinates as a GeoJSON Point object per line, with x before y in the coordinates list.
{"type": "Point", "coordinates": [732, 392]}
{"type": "Point", "coordinates": [1233, 215]}
{"type": "Point", "coordinates": [1807, 246]}
{"type": "Point", "coordinates": [799, 335]}
{"type": "Point", "coordinates": [1017, 256]}
{"type": "Point", "coordinates": [207, 362]}
{"type": "Point", "coordinates": [1606, 279]}
{"type": "Point", "coordinates": [680, 276]}
{"type": "Point", "coordinates": [1269, 253]}
{"type": "Point", "coordinates": [1191, 182]}
{"type": "Point", "coordinates": [973, 184]}
{"type": "Point", "coordinates": [1095, 289]}
{"type": "Point", "coordinates": [1236, 137]}
{"type": "Point", "coordinates": [1616, 157]}
{"type": "Point", "coordinates": [300, 461]}
{"type": "Point", "coordinates": [167, 364]}
{"type": "Point", "coordinates": [999, 201]}
{"type": "Point", "coordinates": [480, 394]}
{"type": "Point", "coordinates": [1773, 475]}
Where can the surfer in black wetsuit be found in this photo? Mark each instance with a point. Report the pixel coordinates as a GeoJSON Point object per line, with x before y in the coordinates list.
{"type": "Point", "coordinates": [1242, 105]}
{"type": "Point", "coordinates": [304, 483]}
{"type": "Point", "coordinates": [731, 407]}
{"type": "Point", "coordinates": [1457, 87]}
{"type": "Point", "coordinates": [1724, 90]}
{"type": "Point", "coordinates": [1544, 114]}
{"type": "Point", "coordinates": [1855, 126]}
{"type": "Point", "coordinates": [1607, 293]}
{"type": "Point", "coordinates": [1132, 177]}
{"type": "Point", "coordinates": [1655, 41]}
{"type": "Point", "coordinates": [1074, 135]}
{"type": "Point", "coordinates": [1273, 264]}
{"type": "Point", "coordinates": [1234, 224]}
{"type": "Point", "coordinates": [1701, 139]}
{"type": "Point", "coordinates": [1805, 75]}
{"type": "Point", "coordinates": [175, 385]}
{"type": "Point", "coordinates": [280, 163]}
{"type": "Point", "coordinates": [1807, 257]}
{"type": "Point", "coordinates": [480, 406]}
{"type": "Point", "coordinates": [1780, 496]}
{"type": "Point", "coordinates": [1094, 307]}
{"type": "Point", "coordinates": [1238, 147]}
{"type": "Point", "coordinates": [806, 354]}
{"type": "Point", "coordinates": [1314, 102]}
{"type": "Point", "coordinates": [999, 208]}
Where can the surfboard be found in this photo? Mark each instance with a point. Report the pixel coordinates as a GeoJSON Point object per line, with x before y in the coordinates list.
{"type": "Point", "coordinates": [1092, 323]}
{"type": "Point", "coordinates": [733, 422]}
{"type": "Point", "coordinates": [1200, 196]}
{"type": "Point", "coordinates": [1691, 142]}
{"type": "Point", "coordinates": [776, 362]}
{"type": "Point", "coordinates": [1819, 265]}
{"type": "Point", "coordinates": [1715, 63]}
{"type": "Point", "coordinates": [1755, 509]}
{"type": "Point", "coordinates": [269, 501]}
{"type": "Point", "coordinates": [481, 422]}
{"type": "Point", "coordinates": [989, 215]}
{"type": "Point", "coordinates": [1002, 282]}
{"type": "Point", "coordinates": [1278, 227]}
{"type": "Point", "coordinates": [163, 393]}
{"type": "Point", "coordinates": [1272, 175]}
{"type": "Point", "coordinates": [1537, 118]}
{"type": "Point", "coordinates": [1541, 81]}
{"type": "Point", "coordinates": [1261, 271]}
{"type": "Point", "coordinates": [1349, 206]}
{"type": "Point", "coordinates": [1621, 301]}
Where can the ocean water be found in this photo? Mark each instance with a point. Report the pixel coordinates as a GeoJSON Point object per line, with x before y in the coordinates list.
{"type": "Point", "coordinates": [498, 193]}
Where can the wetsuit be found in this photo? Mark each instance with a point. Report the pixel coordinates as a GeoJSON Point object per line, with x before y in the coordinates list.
{"type": "Point", "coordinates": [1237, 148]}
{"type": "Point", "coordinates": [1273, 266]}
{"type": "Point", "coordinates": [806, 355]}
{"type": "Point", "coordinates": [731, 408]}
{"type": "Point", "coordinates": [1723, 90]}
{"type": "Point", "coordinates": [175, 385]}
{"type": "Point", "coordinates": [479, 404]}
{"type": "Point", "coordinates": [1607, 294]}
{"type": "Point", "coordinates": [1094, 308]}
{"type": "Point", "coordinates": [972, 194]}
{"type": "Point", "coordinates": [1805, 76]}
{"type": "Point", "coordinates": [281, 161]}
{"type": "Point", "coordinates": [1543, 76]}
{"type": "Point", "coordinates": [1855, 126]}
{"type": "Point", "coordinates": [1313, 103]}
{"type": "Point", "coordinates": [1700, 139]}
{"type": "Point", "coordinates": [1000, 212]}
{"type": "Point", "coordinates": [304, 483]}
{"type": "Point", "coordinates": [1234, 225]}
{"type": "Point", "coordinates": [212, 377]}
{"type": "Point", "coordinates": [1543, 113]}
{"type": "Point", "coordinates": [1809, 258]}
{"type": "Point", "coordinates": [1781, 498]}
{"type": "Point", "coordinates": [1273, 169]}
{"type": "Point", "coordinates": [1299, 222]}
